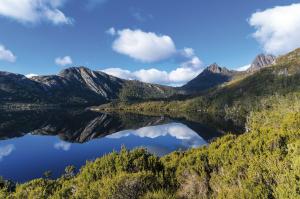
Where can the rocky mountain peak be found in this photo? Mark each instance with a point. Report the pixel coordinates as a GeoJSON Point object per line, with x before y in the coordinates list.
{"type": "Point", "coordinates": [212, 76]}
{"type": "Point", "coordinates": [74, 71]}
{"type": "Point", "coordinates": [215, 68]}
{"type": "Point", "coordinates": [261, 61]}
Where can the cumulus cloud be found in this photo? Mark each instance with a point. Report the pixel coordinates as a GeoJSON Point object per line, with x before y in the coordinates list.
{"type": "Point", "coordinates": [34, 11]}
{"type": "Point", "coordinates": [176, 77]}
{"type": "Point", "coordinates": [6, 55]}
{"type": "Point", "coordinates": [152, 75]}
{"type": "Point", "coordinates": [31, 75]}
{"type": "Point", "coordinates": [6, 150]}
{"type": "Point", "coordinates": [187, 52]}
{"type": "Point", "coordinates": [63, 61]}
{"type": "Point", "coordinates": [151, 47]}
{"type": "Point", "coordinates": [62, 146]}
{"type": "Point", "coordinates": [144, 46]}
{"type": "Point", "coordinates": [190, 67]}
{"type": "Point", "coordinates": [278, 28]}
{"type": "Point", "coordinates": [111, 31]}
{"type": "Point", "coordinates": [244, 68]}
{"type": "Point", "coordinates": [119, 72]}
{"type": "Point", "coordinates": [188, 70]}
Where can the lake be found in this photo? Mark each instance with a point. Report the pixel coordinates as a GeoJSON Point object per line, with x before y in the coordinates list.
{"type": "Point", "coordinates": [32, 142]}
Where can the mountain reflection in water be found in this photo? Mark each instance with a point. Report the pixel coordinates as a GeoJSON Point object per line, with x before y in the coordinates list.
{"type": "Point", "coordinates": [51, 140]}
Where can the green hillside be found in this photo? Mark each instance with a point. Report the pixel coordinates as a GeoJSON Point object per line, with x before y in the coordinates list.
{"type": "Point", "coordinates": [233, 100]}
{"type": "Point", "coordinates": [137, 91]}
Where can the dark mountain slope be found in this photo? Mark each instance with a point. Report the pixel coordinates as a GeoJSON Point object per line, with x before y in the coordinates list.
{"type": "Point", "coordinates": [212, 76]}
{"type": "Point", "coordinates": [75, 86]}
{"type": "Point", "coordinates": [80, 86]}
{"type": "Point", "coordinates": [17, 88]}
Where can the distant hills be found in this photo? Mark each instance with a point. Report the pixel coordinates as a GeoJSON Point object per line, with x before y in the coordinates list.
{"type": "Point", "coordinates": [215, 75]}
{"type": "Point", "coordinates": [80, 86]}
{"type": "Point", "coordinates": [76, 86]}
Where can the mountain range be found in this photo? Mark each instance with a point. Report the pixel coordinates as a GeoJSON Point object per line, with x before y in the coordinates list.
{"type": "Point", "coordinates": [80, 86]}
{"type": "Point", "coordinates": [75, 86]}
{"type": "Point", "coordinates": [232, 98]}
{"type": "Point", "coordinates": [215, 75]}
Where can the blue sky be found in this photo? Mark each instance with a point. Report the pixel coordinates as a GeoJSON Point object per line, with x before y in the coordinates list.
{"type": "Point", "coordinates": [176, 39]}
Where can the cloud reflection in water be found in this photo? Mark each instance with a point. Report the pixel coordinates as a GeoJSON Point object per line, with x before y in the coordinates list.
{"type": "Point", "coordinates": [179, 131]}
{"type": "Point", "coordinates": [6, 150]}
{"type": "Point", "coordinates": [62, 146]}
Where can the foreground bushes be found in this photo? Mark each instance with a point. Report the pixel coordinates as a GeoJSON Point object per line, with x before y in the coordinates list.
{"type": "Point", "coordinates": [262, 163]}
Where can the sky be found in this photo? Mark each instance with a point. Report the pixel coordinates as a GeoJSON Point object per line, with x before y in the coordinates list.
{"type": "Point", "coordinates": [159, 41]}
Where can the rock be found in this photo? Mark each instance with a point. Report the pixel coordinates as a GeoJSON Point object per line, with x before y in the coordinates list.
{"type": "Point", "coordinates": [261, 61]}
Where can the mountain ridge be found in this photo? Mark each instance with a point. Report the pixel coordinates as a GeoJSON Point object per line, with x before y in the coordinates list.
{"type": "Point", "coordinates": [210, 77]}
{"type": "Point", "coordinates": [81, 86]}
{"type": "Point", "coordinates": [74, 86]}
{"type": "Point", "coordinates": [215, 75]}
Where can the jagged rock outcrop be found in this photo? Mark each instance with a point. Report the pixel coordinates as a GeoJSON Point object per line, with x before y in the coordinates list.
{"type": "Point", "coordinates": [261, 61]}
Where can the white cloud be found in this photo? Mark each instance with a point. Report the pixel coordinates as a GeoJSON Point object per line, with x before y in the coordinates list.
{"type": "Point", "coordinates": [179, 76]}
{"type": "Point", "coordinates": [150, 47]}
{"type": "Point", "coordinates": [6, 54]}
{"type": "Point", "coordinates": [189, 68]}
{"type": "Point", "coordinates": [63, 61]}
{"type": "Point", "coordinates": [62, 146]}
{"type": "Point", "coordinates": [144, 46]}
{"type": "Point", "coordinates": [278, 28]}
{"type": "Point", "coordinates": [111, 31]}
{"type": "Point", "coordinates": [119, 72]}
{"type": "Point", "coordinates": [31, 75]}
{"type": "Point", "coordinates": [152, 75]}
{"type": "Point", "coordinates": [187, 52]}
{"type": "Point", "coordinates": [176, 130]}
{"type": "Point", "coordinates": [34, 11]}
{"type": "Point", "coordinates": [6, 150]}
{"type": "Point", "coordinates": [57, 17]}
{"type": "Point", "coordinates": [244, 68]}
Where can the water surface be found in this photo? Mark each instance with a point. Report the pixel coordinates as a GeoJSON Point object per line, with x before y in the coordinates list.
{"type": "Point", "coordinates": [33, 142]}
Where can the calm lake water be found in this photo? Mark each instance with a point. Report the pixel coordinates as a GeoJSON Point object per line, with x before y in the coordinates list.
{"type": "Point", "coordinates": [33, 142]}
